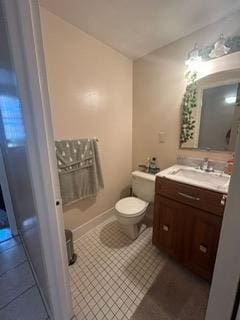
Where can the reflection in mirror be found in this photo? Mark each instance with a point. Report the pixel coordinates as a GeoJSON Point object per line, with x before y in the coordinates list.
{"type": "Point", "coordinates": [219, 116]}
{"type": "Point", "coordinates": [212, 119]}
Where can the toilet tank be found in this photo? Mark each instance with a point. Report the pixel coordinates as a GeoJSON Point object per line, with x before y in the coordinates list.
{"type": "Point", "coordinates": [143, 185]}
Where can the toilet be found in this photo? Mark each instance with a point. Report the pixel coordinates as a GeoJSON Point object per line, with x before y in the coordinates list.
{"type": "Point", "coordinates": [130, 211]}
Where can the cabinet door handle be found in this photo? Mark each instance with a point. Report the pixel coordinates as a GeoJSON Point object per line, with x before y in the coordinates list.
{"type": "Point", "coordinates": [203, 248]}
{"type": "Point", "coordinates": [223, 200]}
{"type": "Point", "coordinates": [188, 196]}
{"type": "Point", "coordinates": [165, 227]}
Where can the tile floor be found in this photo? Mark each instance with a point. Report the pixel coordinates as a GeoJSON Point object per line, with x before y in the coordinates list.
{"type": "Point", "coordinates": [19, 295]}
{"type": "Point", "coordinates": [176, 294]}
{"type": "Point", "coordinates": [5, 234]}
{"type": "Point", "coordinates": [112, 273]}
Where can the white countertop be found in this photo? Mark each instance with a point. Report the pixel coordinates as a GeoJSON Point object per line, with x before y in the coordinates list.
{"type": "Point", "coordinates": [216, 181]}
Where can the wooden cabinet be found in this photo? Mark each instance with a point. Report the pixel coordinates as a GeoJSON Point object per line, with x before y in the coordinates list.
{"type": "Point", "coordinates": [168, 226]}
{"type": "Point", "coordinates": [187, 224]}
{"type": "Point", "coordinates": [202, 234]}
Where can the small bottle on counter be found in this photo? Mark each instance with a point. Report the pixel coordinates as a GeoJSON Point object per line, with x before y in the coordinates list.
{"type": "Point", "coordinates": [148, 165]}
{"type": "Point", "coordinates": [153, 168]}
{"type": "Point", "coordinates": [229, 166]}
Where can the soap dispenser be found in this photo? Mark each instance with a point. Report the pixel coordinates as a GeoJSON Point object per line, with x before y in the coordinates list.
{"type": "Point", "coordinates": [153, 168]}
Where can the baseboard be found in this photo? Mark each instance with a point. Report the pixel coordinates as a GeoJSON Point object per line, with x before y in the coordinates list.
{"type": "Point", "coordinates": [83, 229]}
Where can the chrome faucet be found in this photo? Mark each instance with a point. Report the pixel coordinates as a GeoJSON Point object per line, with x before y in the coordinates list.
{"type": "Point", "coordinates": [205, 165]}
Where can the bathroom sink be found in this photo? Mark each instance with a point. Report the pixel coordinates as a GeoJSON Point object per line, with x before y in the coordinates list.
{"type": "Point", "coordinates": [217, 181]}
{"type": "Point", "coordinates": [201, 176]}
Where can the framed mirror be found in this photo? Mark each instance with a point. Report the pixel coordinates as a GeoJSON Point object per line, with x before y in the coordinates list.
{"type": "Point", "coordinates": [211, 112]}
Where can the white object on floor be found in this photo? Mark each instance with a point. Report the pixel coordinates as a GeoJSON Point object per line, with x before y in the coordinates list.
{"type": "Point", "coordinates": [131, 210]}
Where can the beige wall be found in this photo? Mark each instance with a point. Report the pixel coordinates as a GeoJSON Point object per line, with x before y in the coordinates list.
{"type": "Point", "coordinates": [90, 88]}
{"type": "Point", "coordinates": [158, 87]}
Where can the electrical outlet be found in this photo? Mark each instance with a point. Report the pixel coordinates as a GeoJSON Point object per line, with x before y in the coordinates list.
{"type": "Point", "coordinates": [162, 137]}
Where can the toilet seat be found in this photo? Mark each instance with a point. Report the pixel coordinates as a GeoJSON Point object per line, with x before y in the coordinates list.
{"type": "Point", "coordinates": [131, 207]}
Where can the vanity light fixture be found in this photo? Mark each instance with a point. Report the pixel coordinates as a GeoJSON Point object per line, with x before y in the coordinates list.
{"type": "Point", "coordinates": [220, 48]}
{"type": "Point", "coordinates": [193, 57]}
{"type": "Point", "coordinates": [231, 100]}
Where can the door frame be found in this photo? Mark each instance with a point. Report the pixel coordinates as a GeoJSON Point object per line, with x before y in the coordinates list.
{"type": "Point", "coordinates": [26, 46]}
{"type": "Point", "coordinates": [7, 197]}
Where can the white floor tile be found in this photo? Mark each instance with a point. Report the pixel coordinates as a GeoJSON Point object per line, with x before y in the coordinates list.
{"type": "Point", "coordinates": [113, 272]}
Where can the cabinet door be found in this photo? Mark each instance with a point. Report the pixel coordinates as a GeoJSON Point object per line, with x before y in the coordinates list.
{"type": "Point", "coordinates": [168, 226]}
{"type": "Point", "coordinates": [201, 241]}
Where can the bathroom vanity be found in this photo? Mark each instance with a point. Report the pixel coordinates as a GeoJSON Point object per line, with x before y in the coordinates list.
{"type": "Point", "coordinates": [188, 211]}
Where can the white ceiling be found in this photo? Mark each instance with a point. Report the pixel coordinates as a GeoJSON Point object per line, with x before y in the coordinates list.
{"type": "Point", "coordinates": [137, 27]}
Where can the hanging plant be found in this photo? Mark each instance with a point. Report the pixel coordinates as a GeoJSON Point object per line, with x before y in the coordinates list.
{"type": "Point", "coordinates": [189, 102]}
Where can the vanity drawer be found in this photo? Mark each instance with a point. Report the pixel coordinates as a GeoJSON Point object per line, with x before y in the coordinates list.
{"type": "Point", "coordinates": [207, 200]}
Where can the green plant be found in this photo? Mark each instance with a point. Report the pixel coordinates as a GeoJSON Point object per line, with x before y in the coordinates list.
{"type": "Point", "coordinates": [189, 102]}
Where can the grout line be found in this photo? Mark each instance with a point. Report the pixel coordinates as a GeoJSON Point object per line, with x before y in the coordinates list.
{"type": "Point", "coordinates": [12, 268]}
{"type": "Point", "coordinates": [34, 277]}
{"type": "Point", "coordinates": [13, 246]}
{"type": "Point", "coordinates": [5, 240]}
{"type": "Point", "coordinates": [100, 254]}
{"type": "Point", "coordinates": [17, 297]}
{"type": "Point", "coordinates": [12, 237]}
{"type": "Point", "coordinates": [109, 220]}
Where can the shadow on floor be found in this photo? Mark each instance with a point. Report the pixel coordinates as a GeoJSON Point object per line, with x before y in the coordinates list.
{"type": "Point", "coordinates": [176, 294]}
{"type": "Point", "coordinates": [112, 236]}
{"type": "Point", "coordinates": [119, 239]}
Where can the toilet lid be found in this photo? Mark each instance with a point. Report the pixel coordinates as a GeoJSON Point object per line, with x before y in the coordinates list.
{"type": "Point", "coordinates": [131, 206]}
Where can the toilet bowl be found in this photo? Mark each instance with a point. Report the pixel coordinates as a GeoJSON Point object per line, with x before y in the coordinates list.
{"type": "Point", "coordinates": [130, 211]}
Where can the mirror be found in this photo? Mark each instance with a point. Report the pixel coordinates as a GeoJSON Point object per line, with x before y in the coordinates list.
{"type": "Point", "coordinates": [211, 112]}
